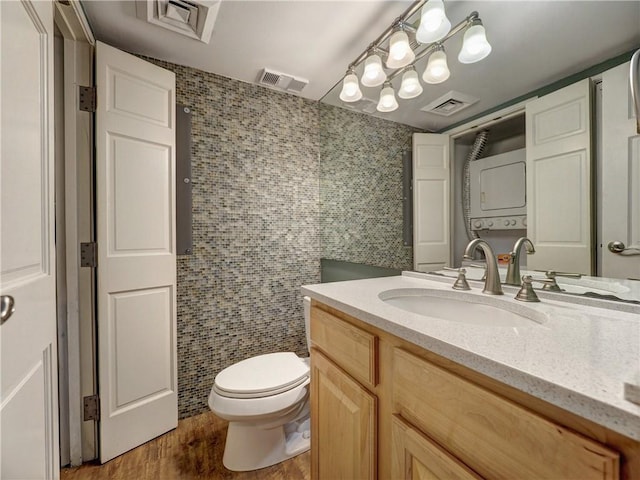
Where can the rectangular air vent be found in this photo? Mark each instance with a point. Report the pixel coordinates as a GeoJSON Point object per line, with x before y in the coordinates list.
{"type": "Point", "coordinates": [449, 107]}
{"type": "Point", "coordinates": [281, 81]}
{"type": "Point", "coordinates": [297, 85]}
{"type": "Point", "coordinates": [450, 103]}
{"type": "Point", "coordinates": [270, 78]}
{"type": "Point", "coordinates": [192, 18]}
{"type": "Point", "coordinates": [181, 12]}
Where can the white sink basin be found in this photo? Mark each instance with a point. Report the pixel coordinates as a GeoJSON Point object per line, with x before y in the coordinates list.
{"type": "Point", "coordinates": [463, 307]}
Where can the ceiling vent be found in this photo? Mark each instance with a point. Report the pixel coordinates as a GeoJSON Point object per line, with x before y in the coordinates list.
{"type": "Point", "coordinates": [195, 19]}
{"type": "Point", "coordinates": [281, 81]}
{"type": "Point", "coordinates": [450, 103]}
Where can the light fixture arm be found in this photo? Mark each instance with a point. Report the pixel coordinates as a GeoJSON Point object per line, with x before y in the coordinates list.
{"type": "Point", "coordinates": [407, 27]}
{"type": "Point", "coordinates": [387, 33]}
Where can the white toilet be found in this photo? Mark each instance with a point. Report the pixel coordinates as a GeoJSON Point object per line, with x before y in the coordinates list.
{"type": "Point", "coordinates": [266, 401]}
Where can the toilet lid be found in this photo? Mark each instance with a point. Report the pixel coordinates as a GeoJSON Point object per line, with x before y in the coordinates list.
{"type": "Point", "coordinates": [265, 374]}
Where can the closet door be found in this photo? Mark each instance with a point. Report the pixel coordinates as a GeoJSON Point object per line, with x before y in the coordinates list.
{"type": "Point", "coordinates": [135, 187]}
{"type": "Point", "coordinates": [620, 214]}
{"type": "Point", "coordinates": [559, 216]}
{"type": "Point", "coordinates": [431, 201]}
{"type": "Point", "coordinates": [28, 378]}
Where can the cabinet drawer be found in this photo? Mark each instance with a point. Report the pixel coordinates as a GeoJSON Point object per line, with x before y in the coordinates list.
{"type": "Point", "coordinates": [350, 347]}
{"type": "Point", "coordinates": [492, 435]}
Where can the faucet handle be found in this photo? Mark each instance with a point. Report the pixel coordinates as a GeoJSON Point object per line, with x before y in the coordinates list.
{"type": "Point", "coordinates": [526, 292]}
{"type": "Point", "coordinates": [554, 274]}
{"type": "Point", "coordinates": [461, 282]}
{"type": "Point", "coordinates": [552, 285]}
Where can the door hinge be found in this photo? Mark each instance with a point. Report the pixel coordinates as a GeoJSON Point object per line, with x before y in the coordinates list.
{"type": "Point", "coordinates": [87, 99]}
{"type": "Point", "coordinates": [91, 408]}
{"type": "Point", "coordinates": [89, 254]}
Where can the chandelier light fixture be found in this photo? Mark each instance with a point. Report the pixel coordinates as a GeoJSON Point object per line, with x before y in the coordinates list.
{"type": "Point", "coordinates": [429, 31]}
{"type": "Point", "coordinates": [410, 87]}
{"type": "Point", "coordinates": [434, 24]}
{"type": "Point", "coordinates": [400, 53]}
{"type": "Point", "coordinates": [374, 74]}
{"type": "Point", "coordinates": [387, 102]}
{"type": "Point", "coordinates": [437, 70]}
{"type": "Point", "coordinates": [350, 89]}
{"type": "Point", "coordinates": [474, 46]}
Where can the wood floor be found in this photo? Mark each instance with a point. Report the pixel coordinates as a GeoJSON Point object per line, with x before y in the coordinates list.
{"type": "Point", "coordinates": [192, 451]}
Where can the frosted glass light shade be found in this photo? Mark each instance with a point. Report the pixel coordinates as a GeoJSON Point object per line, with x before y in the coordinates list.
{"type": "Point", "coordinates": [437, 70]}
{"type": "Point", "coordinates": [400, 53]}
{"type": "Point", "coordinates": [374, 74]}
{"type": "Point", "coordinates": [475, 46]}
{"type": "Point", "coordinates": [410, 87]}
{"type": "Point", "coordinates": [387, 102]}
{"type": "Point", "coordinates": [434, 24]}
{"type": "Point", "coordinates": [350, 89]}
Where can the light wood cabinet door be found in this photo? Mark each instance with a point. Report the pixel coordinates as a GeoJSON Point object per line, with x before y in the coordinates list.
{"type": "Point", "coordinates": [416, 457]}
{"type": "Point", "coordinates": [343, 424]}
{"type": "Point", "coordinates": [496, 437]}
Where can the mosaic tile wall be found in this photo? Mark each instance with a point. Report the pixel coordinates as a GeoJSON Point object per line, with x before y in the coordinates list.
{"type": "Point", "coordinates": [361, 188]}
{"type": "Point", "coordinates": [256, 229]}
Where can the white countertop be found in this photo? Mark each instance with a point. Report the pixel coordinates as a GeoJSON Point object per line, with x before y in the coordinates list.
{"type": "Point", "coordinates": [578, 359]}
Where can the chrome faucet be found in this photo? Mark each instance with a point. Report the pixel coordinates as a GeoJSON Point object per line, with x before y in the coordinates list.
{"type": "Point", "coordinates": [492, 282]}
{"type": "Point", "coordinates": [513, 270]}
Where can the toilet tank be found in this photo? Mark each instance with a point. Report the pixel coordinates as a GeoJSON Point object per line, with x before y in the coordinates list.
{"type": "Point", "coordinates": [307, 320]}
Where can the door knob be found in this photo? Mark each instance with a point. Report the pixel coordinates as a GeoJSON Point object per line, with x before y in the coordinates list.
{"type": "Point", "coordinates": [8, 307]}
{"type": "Point", "coordinates": [616, 246]}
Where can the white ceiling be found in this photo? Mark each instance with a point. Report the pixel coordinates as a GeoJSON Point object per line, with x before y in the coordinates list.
{"type": "Point", "coordinates": [534, 43]}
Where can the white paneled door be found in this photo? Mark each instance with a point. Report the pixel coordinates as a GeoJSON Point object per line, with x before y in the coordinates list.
{"type": "Point", "coordinates": [620, 177]}
{"type": "Point", "coordinates": [559, 180]}
{"type": "Point", "coordinates": [135, 186]}
{"type": "Point", "coordinates": [431, 197]}
{"type": "Point", "coordinates": [28, 380]}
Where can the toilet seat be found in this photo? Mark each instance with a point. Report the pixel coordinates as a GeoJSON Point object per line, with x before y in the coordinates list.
{"type": "Point", "coordinates": [262, 376]}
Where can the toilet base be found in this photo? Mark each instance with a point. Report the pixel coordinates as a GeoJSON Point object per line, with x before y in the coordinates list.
{"type": "Point", "coordinates": [250, 447]}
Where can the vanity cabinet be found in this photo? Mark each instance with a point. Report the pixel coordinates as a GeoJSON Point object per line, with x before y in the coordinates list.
{"type": "Point", "coordinates": [385, 408]}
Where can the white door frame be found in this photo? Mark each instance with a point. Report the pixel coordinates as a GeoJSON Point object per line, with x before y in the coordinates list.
{"type": "Point", "coordinates": [79, 379]}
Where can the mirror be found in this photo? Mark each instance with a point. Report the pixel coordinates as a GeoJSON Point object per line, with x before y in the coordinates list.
{"type": "Point", "coordinates": [365, 187]}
